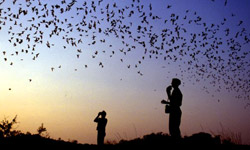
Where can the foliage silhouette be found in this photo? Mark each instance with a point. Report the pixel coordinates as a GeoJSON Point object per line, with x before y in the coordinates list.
{"type": "Point", "coordinates": [41, 129]}
{"type": "Point", "coordinates": [6, 126]}
{"type": "Point", "coordinates": [11, 138]}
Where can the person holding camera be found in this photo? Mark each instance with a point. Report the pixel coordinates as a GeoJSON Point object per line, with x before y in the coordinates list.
{"type": "Point", "coordinates": [175, 98]}
{"type": "Point", "coordinates": [101, 126]}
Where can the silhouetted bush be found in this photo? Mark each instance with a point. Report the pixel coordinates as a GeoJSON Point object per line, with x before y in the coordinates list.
{"type": "Point", "coordinates": [41, 129]}
{"type": "Point", "coordinates": [15, 138]}
{"type": "Point", "coordinates": [202, 139]}
{"type": "Point", "coordinates": [6, 127]}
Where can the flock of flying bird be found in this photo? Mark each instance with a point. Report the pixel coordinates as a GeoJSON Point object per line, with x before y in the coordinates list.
{"type": "Point", "coordinates": [214, 52]}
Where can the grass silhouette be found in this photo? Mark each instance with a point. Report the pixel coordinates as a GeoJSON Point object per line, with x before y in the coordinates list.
{"type": "Point", "coordinates": [12, 138]}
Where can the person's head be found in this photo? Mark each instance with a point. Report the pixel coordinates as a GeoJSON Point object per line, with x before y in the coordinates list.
{"type": "Point", "coordinates": [176, 82]}
{"type": "Point", "coordinates": [103, 114]}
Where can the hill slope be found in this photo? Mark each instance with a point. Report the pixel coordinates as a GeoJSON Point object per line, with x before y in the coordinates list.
{"type": "Point", "coordinates": [151, 141]}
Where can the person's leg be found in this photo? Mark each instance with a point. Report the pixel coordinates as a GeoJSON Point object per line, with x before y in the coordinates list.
{"type": "Point", "coordinates": [171, 124]}
{"type": "Point", "coordinates": [177, 124]}
{"type": "Point", "coordinates": [174, 124]}
{"type": "Point", "coordinates": [100, 138]}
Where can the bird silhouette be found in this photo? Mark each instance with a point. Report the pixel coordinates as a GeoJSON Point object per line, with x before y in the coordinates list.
{"type": "Point", "coordinates": [136, 26]}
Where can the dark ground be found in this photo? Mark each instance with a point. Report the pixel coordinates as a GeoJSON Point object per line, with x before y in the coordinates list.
{"type": "Point", "coordinates": [152, 141]}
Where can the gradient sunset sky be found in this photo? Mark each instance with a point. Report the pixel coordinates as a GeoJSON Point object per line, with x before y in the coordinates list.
{"type": "Point", "coordinates": [67, 99]}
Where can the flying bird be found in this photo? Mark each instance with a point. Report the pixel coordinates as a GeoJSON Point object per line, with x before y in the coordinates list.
{"type": "Point", "coordinates": [135, 30]}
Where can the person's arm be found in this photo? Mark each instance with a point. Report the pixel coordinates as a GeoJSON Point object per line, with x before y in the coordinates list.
{"type": "Point", "coordinates": [165, 102]}
{"type": "Point", "coordinates": [169, 88]}
{"type": "Point", "coordinates": [97, 117]}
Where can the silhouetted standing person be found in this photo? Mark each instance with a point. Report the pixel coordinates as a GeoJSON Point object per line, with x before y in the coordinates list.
{"type": "Point", "coordinates": [175, 98]}
{"type": "Point", "coordinates": [101, 126]}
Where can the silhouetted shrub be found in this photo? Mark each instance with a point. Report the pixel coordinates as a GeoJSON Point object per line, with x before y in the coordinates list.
{"type": "Point", "coordinates": [41, 129]}
{"type": "Point", "coordinates": [6, 127]}
{"type": "Point", "coordinates": [202, 139]}
{"type": "Point", "coordinates": [11, 137]}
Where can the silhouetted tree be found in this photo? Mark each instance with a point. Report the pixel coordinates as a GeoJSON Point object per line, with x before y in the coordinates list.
{"type": "Point", "coordinates": [6, 127]}
{"type": "Point", "coordinates": [41, 129]}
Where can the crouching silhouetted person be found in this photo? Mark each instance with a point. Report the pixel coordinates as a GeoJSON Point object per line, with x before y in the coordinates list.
{"type": "Point", "coordinates": [175, 103]}
{"type": "Point", "coordinates": [101, 125]}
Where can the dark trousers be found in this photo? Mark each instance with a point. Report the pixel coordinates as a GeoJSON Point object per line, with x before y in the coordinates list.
{"type": "Point", "coordinates": [100, 137]}
{"type": "Point", "coordinates": [175, 122]}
